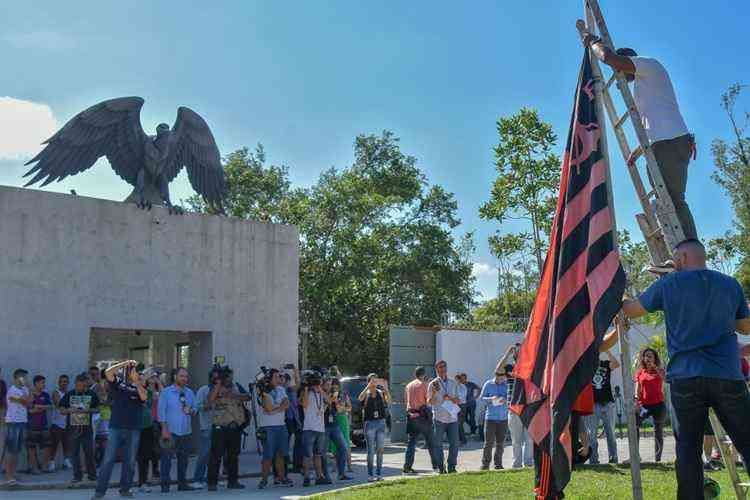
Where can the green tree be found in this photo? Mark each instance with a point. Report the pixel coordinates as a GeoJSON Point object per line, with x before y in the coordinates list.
{"type": "Point", "coordinates": [732, 162]}
{"type": "Point", "coordinates": [528, 178]}
{"type": "Point", "coordinates": [376, 247]}
{"type": "Point", "coordinates": [256, 191]}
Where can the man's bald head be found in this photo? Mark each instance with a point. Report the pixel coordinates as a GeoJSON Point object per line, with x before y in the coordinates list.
{"type": "Point", "coordinates": [689, 254]}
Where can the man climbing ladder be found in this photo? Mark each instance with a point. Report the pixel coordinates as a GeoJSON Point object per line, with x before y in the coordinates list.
{"type": "Point", "coordinates": [668, 135]}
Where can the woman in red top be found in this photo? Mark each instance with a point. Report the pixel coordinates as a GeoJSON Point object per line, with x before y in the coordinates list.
{"type": "Point", "coordinates": [649, 396]}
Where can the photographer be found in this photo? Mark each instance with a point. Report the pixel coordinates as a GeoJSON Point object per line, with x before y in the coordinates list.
{"type": "Point", "coordinates": [314, 402]}
{"type": "Point", "coordinates": [334, 408]}
{"type": "Point", "coordinates": [128, 396]}
{"type": "Point", "coordinates": [375, 399]}
{"type": "Point", "coordinates": [175, 409]}
{"type": "Point", "coordinates": [274, 403]}
{"type": "Point", "coordinates": [226, 434]}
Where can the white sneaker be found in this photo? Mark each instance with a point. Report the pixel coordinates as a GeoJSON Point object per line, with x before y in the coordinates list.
{"type": "Point", "coordinates": [198, 484]}
{"type": "Point", "coordinates": [67, 464]}
{"type": "Point", "coordinates": [144, 489]}
{"type": "Point", "coordinates": [371, 479]}
{"type": "Point", "coordinates": [51, 467]}
{"type": "Point", "coordinates": [378, 478]}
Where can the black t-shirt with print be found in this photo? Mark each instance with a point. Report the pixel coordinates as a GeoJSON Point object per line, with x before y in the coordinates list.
{"type": "Point", "coordinates": [602, 384]}
{"type": "Point", "coordinates": [374, 407]}
{"type": "Point", "coordinates": [86, 400]}
{"type": "Point", "coordinates": [127, 407]}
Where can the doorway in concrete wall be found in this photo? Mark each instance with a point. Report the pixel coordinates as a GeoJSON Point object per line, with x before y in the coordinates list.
{"type": "Point", "coordinates": [162, 350]}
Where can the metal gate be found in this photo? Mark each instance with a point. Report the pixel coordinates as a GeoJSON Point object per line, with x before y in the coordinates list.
{"type": "Point", "coordinates": [409, 347]}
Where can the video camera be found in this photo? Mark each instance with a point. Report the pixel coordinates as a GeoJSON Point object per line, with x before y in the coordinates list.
{"type": "Point", "coordinates": [311, 378]}
{"type": "Point", "coordinates": [263, 380]}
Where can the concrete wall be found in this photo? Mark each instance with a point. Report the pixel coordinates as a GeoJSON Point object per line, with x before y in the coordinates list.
{"type": "Point", "coordinates": [69, 264]}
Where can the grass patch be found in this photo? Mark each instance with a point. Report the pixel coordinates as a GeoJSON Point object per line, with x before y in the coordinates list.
{"type": "Point", "coordinates": [593, 482]}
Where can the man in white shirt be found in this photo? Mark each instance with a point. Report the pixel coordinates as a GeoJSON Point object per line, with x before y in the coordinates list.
{"type": "Point", "coordinates": [669, 138]}
{"type": "Point", "coordinates": [17, 401]}
{"type": "Point", "coordinates": [444, 400]}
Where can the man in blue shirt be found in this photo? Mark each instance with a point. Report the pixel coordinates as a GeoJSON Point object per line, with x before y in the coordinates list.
{"type": "Point", "coordinates": [702, 310]}
{"type": "Point", "coordinates": [495, 395]}
{"type": "Point", "coordinates": [176, 408]}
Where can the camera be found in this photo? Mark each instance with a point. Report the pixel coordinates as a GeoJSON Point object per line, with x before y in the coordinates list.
{"type": "Point", "coordinates": [311, 378]}
{"type": "Point", "coordinates": [224, 372]}
{"type": "Point", "coordinates": [263, 380]}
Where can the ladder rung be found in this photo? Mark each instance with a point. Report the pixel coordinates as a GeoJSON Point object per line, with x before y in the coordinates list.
{"type": "Point", "coordinates": [621, 120]}
{"type": "Point", "coordinates": [611, 80]}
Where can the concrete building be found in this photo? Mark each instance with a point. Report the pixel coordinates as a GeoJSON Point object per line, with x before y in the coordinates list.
{"type": "Point", "coordinates": [86, 281]}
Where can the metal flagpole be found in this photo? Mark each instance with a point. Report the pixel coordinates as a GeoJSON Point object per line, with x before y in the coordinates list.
{"type": "Point", "coordinates": [627, 378]}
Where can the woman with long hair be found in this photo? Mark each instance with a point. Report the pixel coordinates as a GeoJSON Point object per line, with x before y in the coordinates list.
{"type": "Point", "coordinates": [649, 396]}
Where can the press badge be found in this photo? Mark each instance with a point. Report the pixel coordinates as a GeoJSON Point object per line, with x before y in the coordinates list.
{"type": "Point", "coordinates": [376, 414]}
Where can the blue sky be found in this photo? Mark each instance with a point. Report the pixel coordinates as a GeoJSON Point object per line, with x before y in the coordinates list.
{"type": "Point", "coordinates": [304, 78]}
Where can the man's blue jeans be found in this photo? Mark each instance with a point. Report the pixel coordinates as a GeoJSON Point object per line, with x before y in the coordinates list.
{"type": "Point", "coordinates": [181, 448]}
{"type": "Point", "coordinates": [441, 429]}
{"type": "Point", "coordinates": [691, 399]}
{"type": "Point", "coordinates": [127, 440]}
{"type": "Point", "coordinates": [333, 434]}
{"type": "Point", "coordinates": [204, 453]}
{"type": "Point", "coordinates": [603, 413]}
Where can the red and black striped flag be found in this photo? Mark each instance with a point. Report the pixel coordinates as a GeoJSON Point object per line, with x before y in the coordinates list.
{"type": "Point", "coordinates": [579, 294]}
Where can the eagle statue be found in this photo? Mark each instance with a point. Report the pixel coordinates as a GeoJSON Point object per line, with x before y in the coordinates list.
{"type": "Point", "coordinates": [113, 129]}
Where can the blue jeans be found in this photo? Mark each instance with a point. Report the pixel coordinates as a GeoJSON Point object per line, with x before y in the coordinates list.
{"type": "Point", "coordinates": [441, 429]}
{"type": "Point", "coordinates": [127, 440]}
{"type": "Point", "coordinates": [603, 413]}
{"type": "Point", "coordinates": [201, 463]}
{"type": "Point", "coordinates": [181, 448]}
{"type": "Point", "coordinates": [375, 436]}
{"type": "Point", "coordinates": [691, 398]}
{"type": "Point", "coordinates": [333, 433]}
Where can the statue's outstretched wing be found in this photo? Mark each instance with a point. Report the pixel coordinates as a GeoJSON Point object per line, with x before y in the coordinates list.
{"type": "Point", "coordinates": [194, 147]}
{"type": "Point", "coordinates": [111, 128]}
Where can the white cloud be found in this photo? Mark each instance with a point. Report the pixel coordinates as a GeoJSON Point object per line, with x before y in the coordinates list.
{"type": "Point", "coordinates": [23, 126]}
{"type": "Point", "coordinates": [45, 40]}
{"type": "Point", "coordinates": [481, 270]}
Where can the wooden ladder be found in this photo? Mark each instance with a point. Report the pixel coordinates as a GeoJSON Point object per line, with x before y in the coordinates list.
{"type": "Point", "coordinates": [659, 222]}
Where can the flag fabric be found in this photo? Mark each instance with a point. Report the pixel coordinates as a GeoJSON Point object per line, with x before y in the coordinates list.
{"type": "Point", "coordinates": [579, 294]}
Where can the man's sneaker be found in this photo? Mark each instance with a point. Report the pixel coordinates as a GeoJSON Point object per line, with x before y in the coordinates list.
{"type": "Point", "coordinates": [661, 269]}
{"type": "Point", "coordinates": [285, 482]}
{"type": "Point", "coordinates": [497, 467]}
{"type": "Point", "coordinates": [51, 467]}
{"type": "Point", "coordinates": [613, 460]}
{"type": "Point", "coordinates": [126, 494]}
{"type": "Point", "coordinates": [379, 477]}
{"type": "Point", "coordinates": [263, 484]}
{"type": "Point", "coordinates": [371, 479]}
{"type": "Point", "coordinates": [76, 480]}
{"type": "Point", "coordinates": [409, 470]}
{"type": "Point", "coordinates": [306, 482]}
{"type": "Point", "coordinates": [67, 464]}
{"type": "Point", "coordinates": [144, 488]}
{"type": "Point", "coordinates": [235, 486]}
{"type": "Point", "coordinates": [323, 480]}
{"type": "Point", "coordinates": [344, 477]}
{"type": "Point", "coordinates": [198, 485]}
{"type": "Point", "coordinates": [186, 487]}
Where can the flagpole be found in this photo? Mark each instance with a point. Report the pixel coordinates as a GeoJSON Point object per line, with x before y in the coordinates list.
{"type": "Point", "coordinates": [627, 377]}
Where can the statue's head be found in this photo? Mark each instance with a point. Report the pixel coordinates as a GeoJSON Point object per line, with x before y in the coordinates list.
{"type": "Point", "coordinates": [161, 129]}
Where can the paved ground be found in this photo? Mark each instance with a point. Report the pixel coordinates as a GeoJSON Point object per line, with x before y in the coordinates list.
{"type": "Point", "coordinates": [469, 459]}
